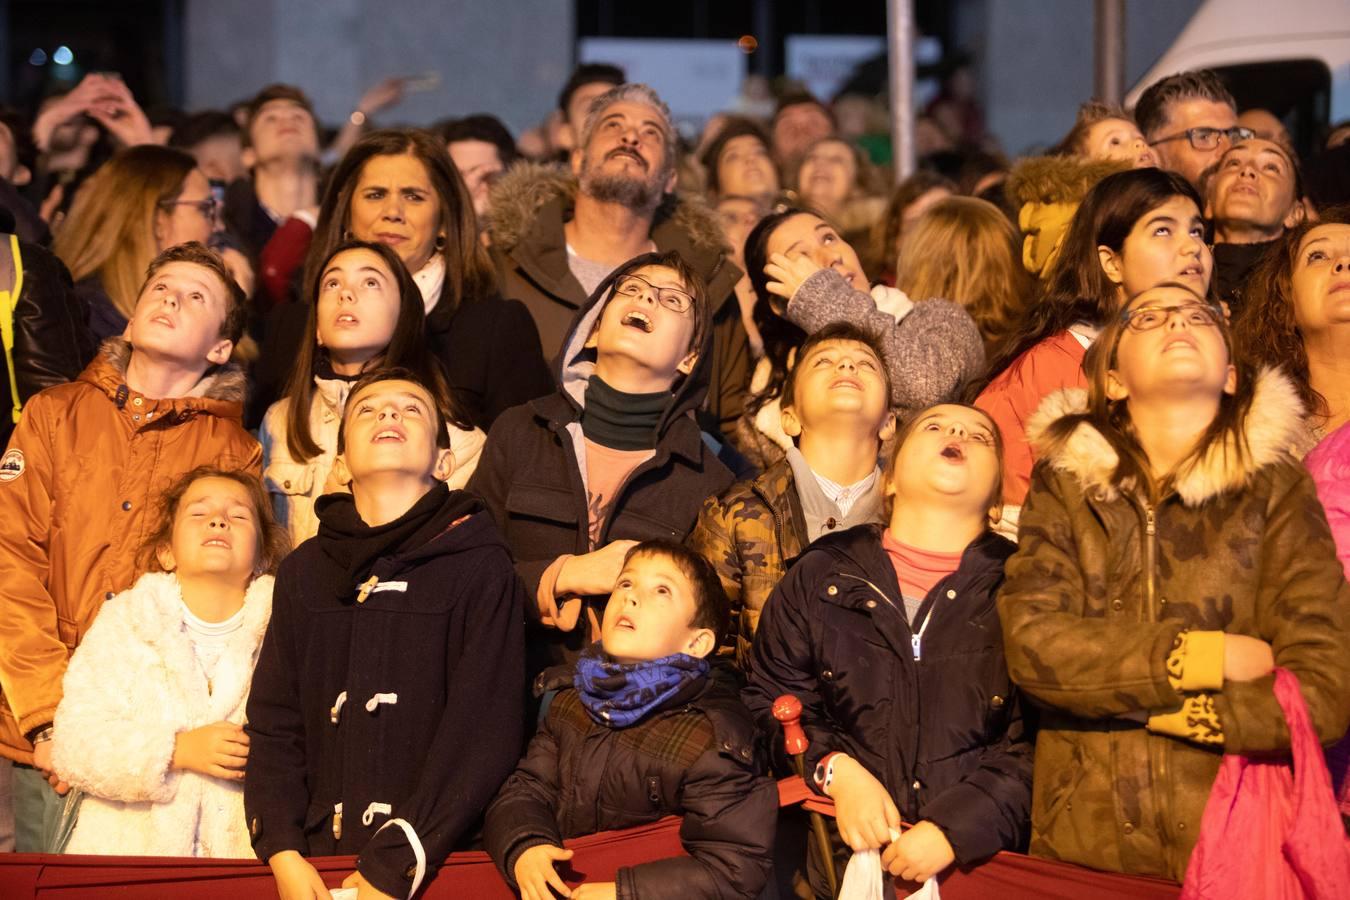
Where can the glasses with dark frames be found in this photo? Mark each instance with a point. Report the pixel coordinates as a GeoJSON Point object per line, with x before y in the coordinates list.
{"type": "Point", "coordinates": [671, 298]}
{"type": "Point", "coordinates": [1147, 318]}
{"type": "Point", "coordinates": [1208, 138]}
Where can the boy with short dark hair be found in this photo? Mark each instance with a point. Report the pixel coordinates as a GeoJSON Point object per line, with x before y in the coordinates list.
{"type": "Point", "coordinates": [390, 631]}
{"type": "Point", "coordinates": [639, 731]}
{"type": "Point", "coordinates": [78, 482]}
{"type": "Point", "coordinates": [836, 409]}
{"type": "Point", "coordinates": [614, 457]}
{"type": "Point", "coordinates": [281, 153]}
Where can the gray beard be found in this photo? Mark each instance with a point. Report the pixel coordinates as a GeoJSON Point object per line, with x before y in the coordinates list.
{"type": "Point", "coordinates": [636, 194]}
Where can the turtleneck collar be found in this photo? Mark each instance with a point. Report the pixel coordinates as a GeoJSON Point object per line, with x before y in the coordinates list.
{"type": "Point", "coordinates": [621, 421]}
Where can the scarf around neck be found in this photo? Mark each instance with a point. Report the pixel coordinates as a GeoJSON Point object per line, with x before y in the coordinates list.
{"type": "Point", "coordinates": [622, 694]}
{"type": "Point", "coordinates": [619, 420]}
{"type": "Point", "coordinates": [355, 546]}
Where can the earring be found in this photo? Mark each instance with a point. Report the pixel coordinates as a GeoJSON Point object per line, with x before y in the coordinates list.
{"type": "Point", "coordinates": [440, 243]}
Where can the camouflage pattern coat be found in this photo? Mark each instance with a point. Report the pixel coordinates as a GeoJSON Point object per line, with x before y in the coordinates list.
{"type": "Point", "coordinates": [750, 534]}
{"type": "Point", "coordinates": [1100, 588]}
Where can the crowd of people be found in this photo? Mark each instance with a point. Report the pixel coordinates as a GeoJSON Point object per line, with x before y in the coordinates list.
{"type": "Point", "coordinates": [397, 491]}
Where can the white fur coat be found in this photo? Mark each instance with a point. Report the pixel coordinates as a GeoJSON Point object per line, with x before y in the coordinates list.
{"type": "Point", "coordinates": [132, 686]}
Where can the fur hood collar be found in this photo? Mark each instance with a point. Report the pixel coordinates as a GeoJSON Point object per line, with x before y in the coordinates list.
{"type": "Point", "coordinates": [1056, 179]}
{"type": "Point", "coordinates": [528, 187]}
{"type": "Point", "coordinates": [1272, 429]}
{"type": "Point", "coordinates": [158, 617]}
{"type": "Point", "coordinates": [225, 383]}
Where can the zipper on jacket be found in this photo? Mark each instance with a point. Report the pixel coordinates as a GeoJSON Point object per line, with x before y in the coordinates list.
{"type": "Point", "coordinates": [1163, 812]}
{"type": "Point", "coordinates": [1150, 559]}
{"type": "Point", "coordinates": [907, 775]}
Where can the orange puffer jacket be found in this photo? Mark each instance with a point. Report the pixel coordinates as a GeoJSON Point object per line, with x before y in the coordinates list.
{"type": "Point", "coordinates": [79, 489]}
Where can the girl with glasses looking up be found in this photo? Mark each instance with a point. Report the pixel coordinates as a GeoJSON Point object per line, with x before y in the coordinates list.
{"type": "Point", "coordinates": [1172, 554]}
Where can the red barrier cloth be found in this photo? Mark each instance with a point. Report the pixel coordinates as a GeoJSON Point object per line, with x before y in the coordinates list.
{"type": "Point", "coordinates": [1008, 876]}
{"type": "Point", "coordinates": [51, 877]}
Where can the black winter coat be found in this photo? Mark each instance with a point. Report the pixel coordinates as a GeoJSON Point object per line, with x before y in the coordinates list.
{"type": "Point", "coordinates": [530, 478]}
{"type": "Point", "coordinates": [944, 732]}
{"type": "Point", "coordinates": [445, 636]}
{"type": "Point", "coordinates": [52, 340]}
{"type": "Point", "coordinates": [695, 757]}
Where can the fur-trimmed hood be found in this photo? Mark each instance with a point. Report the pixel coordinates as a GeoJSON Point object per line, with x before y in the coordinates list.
{"type": "Point", "coordinates": [528, 187]}
{"type": "Point", "coordinates": [1272, 428]}
{"type": "Point", "coordinates": [1057, 179]}
{"type": "Point", "coordinates": [108, 372]}
{"type": "Point", "coordinates": [1046, 191]}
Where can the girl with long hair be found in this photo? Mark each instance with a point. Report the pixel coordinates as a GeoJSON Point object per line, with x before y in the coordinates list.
{"type": "Point", "coordinates": [401, 189]}
{"type": "Point", "coordinates": [365, 313]}
{"type": "Point", "coordinates": [1172, 554]}
{"type": "Point", "coordinates": [1133, 230]}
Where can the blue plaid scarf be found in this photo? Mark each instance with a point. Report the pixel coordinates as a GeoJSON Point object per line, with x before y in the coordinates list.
{"type": "Point", "coordinates": [622, 694]}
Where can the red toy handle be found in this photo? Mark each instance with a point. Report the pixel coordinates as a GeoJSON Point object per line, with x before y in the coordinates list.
{"type": "Point", "coordinates": [787, 709]}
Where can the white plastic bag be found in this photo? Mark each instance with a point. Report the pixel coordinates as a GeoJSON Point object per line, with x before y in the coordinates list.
{"type": "Point", "coordinates": [863, 879]}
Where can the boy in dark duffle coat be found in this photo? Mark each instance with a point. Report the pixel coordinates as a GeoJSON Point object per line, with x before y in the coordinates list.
{"type": "Point", "coordinates": [388, 698]}
{"type": "Point", "coordinates": [640, 731]}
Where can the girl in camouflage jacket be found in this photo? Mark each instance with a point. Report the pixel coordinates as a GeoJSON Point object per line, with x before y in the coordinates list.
{"type": "Point", "coordinates": [1172, 553]}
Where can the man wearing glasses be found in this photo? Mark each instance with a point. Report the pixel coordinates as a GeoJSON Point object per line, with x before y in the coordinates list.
{"type": "Point", "coordinates": [556, 238]}
{"type": "Point", "coordinates": [1189, 119]}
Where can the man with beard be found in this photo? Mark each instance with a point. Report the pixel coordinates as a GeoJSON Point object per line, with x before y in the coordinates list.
{"type": "Point", "coordinates": [557, 237]}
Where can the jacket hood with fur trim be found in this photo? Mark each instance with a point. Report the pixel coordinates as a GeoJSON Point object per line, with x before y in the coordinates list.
{"type": "Point", "coordinates": [528, 187]}
{"type": "Point", "coordinates": [1057, 179]}
{"type": "Point", "coordinates": [225, 383]}
{"type": "Point", "coordinates": [1273, 426]}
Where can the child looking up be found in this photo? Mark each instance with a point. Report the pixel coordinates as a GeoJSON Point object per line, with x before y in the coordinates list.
{"type": "Point", "coordinates": [1172, 554]}
{"type": "Point", "coordinates": [614, 457]}
{"type": "Point", "coordinates": [150, 724]}
{"type": "Point", "coordinates": [890, 638]}
{"type": "Point", "coordinates": [640, 731]}
{"type": "Point", "coordinates": [365, 312]}
{"type": "Point", "coordinates": [390, 688]}
{"type": "Point", "coordinates": [836, 410]}
{"type": "Point", "coordinates": [79, 481]}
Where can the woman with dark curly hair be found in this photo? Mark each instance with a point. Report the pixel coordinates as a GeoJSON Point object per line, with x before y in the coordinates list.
{"type": "Point", "coordinates": [1297, 316]}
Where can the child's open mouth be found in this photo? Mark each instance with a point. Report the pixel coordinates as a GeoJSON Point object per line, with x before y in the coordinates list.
{"type": "Point", "coordinates": [388, 435]}
{"type": "Point", "coordinates": [638, 319]}
{"type": "Point", "coordinates": [954, 452]}
{"type": "Point", "coordinates": [625, 623]}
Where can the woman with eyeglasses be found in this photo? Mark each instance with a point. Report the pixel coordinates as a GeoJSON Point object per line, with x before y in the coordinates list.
{"type": "Point", "coordinates": [1133, 230]}
{"type": "Point", "coordinates": [142, 201]}
{"type": "Point", "coordinates": [1173, 554]}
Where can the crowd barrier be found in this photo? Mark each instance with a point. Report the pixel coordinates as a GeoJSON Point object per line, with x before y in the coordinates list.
{"type": "Point", "coordinates": [1008, 876]}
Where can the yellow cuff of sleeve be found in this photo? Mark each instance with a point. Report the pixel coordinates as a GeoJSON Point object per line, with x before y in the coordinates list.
{"type": "Point", "coordinates": [1196, 721]}
{"type": "Point", "coordinates": [1203, 668]}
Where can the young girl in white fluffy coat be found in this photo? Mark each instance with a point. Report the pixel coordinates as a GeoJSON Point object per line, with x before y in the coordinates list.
{"type": "Point", "coordinates": [150, 725]}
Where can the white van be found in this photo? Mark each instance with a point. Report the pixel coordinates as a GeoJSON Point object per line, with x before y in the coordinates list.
{"type": "Point", "coordinates": [1291, 57]}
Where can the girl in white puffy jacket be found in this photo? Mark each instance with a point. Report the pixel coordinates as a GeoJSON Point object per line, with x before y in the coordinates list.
{"type": "Point", "coordinates": [150, 724]}
{"type": "Point", "coordinates": [366, 312]}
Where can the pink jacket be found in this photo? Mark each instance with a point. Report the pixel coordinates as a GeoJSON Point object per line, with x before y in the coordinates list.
{"type": "Point", "coordinates": [1329, 464]}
